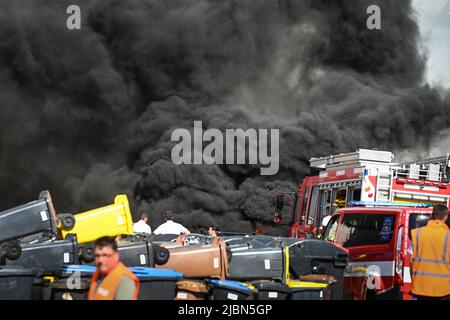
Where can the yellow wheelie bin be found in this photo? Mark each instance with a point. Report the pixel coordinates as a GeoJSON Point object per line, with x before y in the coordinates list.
{"type": "Point", "coordinates": [112, 220]}
{"type": "Point", "coordinates": [307, 287]}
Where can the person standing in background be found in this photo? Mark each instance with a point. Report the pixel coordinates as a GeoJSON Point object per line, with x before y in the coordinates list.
{"type": "Point", "coordinates": [170, 227]}
{"type": "Point", "coordinates": [142, 225]}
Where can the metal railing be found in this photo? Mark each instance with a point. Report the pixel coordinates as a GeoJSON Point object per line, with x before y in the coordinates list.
{"type": "Point", "coordinates": [423, 175]}
{"type": "Point", "coordinates": [433, 169]}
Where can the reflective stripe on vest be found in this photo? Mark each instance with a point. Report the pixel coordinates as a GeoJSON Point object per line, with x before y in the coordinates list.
{"type": "Point", "coordinates": [430, 274]}
{"type": "Point", "coordinates": [431, 261]}
{"type": "Point", "coordinates": [416, 257]}
{"type": "Point", "coordinates": [444, 254]}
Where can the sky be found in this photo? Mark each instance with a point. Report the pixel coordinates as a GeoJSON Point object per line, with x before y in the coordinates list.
{"type": "Point", "coordinates": [434, 21]}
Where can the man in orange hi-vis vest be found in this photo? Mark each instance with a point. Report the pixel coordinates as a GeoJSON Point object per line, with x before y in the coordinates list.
{"type": "Point", "coordinates": [112, 280]}
{"type": "Point", "coordinates": [431, 257]}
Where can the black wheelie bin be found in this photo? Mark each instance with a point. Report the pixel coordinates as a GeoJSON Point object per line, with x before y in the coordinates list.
{"type": "Point", "coordinates": [34, 217]}
{"type": "Point", "coordinates": [316, 257]}
{"type": "Point", "coordinates": [47, 257]}
{"type": "Point", "coordinates": [250, 263]}
{"type": "Point", "coordinates": [230, 290]}
{"type": "Point", "coordinates": [16, 282]}
{"type": "Point", "coordinates": [270, 290]}
{"type": "Point", "coordinates": [132, 252]}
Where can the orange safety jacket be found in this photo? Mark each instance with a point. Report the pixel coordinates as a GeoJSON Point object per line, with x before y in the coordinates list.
{"type": "Point", "coordinates": [108, 288]}
{"type": "Point", "coordinates": [431, 260]}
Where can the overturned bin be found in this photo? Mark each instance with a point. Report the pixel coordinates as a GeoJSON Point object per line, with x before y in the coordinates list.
{"type": "Point", "coordinates": [250, 263]}
{"type": "Point", "coordinates": [38, 216]}
{"type": "Point", "coordinates": [132, 252]}
{"type": "Point", "coordinates": [200, 261]}
{"type": "Point", "coordinates": [113, 220]}
{"type": "Point", "coordinates": [315, 257]}
{"type": "Point", "coordinates": [47, 257]}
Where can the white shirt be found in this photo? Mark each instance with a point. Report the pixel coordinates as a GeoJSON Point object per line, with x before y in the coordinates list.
{"type": "Point", "coordinates": [141, 227]}
{"type": "Point", "coordinates": [171, 227]}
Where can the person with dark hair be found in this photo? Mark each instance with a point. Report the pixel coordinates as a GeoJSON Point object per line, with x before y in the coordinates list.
{"type": "Point", "coordinates": [112, 280]}
{"type": "Point", "coordinates": [170, 227]}
{"type": "Point", "coordinates": [212, 230]}
{"type": "Point", "coordinates": [430, 263]}
{"type": "Point", "coordinates": [142, 225]}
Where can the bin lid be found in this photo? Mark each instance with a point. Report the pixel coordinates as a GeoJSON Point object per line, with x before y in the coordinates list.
{"type": "Point", "coordinates": [270, 286]}
{"type": "Point", "coordinates": [8, 271]}
{"type": "Point", "coordinates": [230, 284]}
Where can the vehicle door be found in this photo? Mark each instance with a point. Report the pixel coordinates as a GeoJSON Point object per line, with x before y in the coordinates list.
{"type": "Point", "coordinates": [369, 237]}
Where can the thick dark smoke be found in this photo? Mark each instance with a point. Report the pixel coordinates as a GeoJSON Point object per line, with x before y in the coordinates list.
{"type": "Point", "coordinates": [89, 113]}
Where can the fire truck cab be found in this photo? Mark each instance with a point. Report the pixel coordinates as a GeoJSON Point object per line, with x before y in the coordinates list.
{"type": "Point", "coordinates": [369, 176]}
{"type": "Point", "coordinates": [378, 239]}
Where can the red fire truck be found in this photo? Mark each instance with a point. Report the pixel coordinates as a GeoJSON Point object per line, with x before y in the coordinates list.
{"type": "Point", "coordinates": [369, 176]}
{"type": "Point", "coordinates": [370, 204]}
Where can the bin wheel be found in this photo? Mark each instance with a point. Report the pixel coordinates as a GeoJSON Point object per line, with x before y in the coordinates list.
{"type": "Point", "coordinates": [13, 250]}
{"type": "Point", "coordinates": [161, 255]}
{"type": "Point", "coordinates": [88, 253]}
{"type": "Point", "coordinates": [67, 221]}
{"type": "Point", "coordinates": [71, 237]}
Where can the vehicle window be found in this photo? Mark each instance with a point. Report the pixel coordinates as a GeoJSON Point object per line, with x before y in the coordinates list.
{"type": "Point", "coordinates": [324, 201]}
{"type": "Point", "coordinates": [356, 194]}
{"type": "Point", "coordinates": [297, 209]}
{"type": "Point", "coordinates": [331, 228]}
{"type": "Point", "coordinates": [305, 202]}
{"type": "Point", "coordinates": [379, 228]}
{"type": "Point", "coordinates": [366, 229]}
{"type": "Point", "coordinates": [340, 198]}
{"type": "Point", "coordinates": [351, 231]}
{"type": "Point", "coordinates": [417, 220]}
{"type": "Point", "coordinates": [399, 239]}
{"type": "Point", "coordinates": [313, 205]}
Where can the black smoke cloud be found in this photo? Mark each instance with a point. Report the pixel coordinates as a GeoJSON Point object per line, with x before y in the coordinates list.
{"type": "Point", "coordinates": [89, 113]}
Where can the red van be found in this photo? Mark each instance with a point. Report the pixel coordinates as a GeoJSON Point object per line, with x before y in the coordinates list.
{"type": "Point", "coordinates": [378, 240]}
